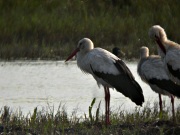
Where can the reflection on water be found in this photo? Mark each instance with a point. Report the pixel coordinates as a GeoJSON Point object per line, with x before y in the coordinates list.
{"type": "Point", "coordinates": [27, 85]}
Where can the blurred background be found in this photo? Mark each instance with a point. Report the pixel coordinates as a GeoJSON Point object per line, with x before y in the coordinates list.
{"type": "Point", "coordinates": [50, 29]}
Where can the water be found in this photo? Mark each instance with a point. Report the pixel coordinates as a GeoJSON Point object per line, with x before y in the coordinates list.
{"type": "Point", "coordinates": [48, 84]}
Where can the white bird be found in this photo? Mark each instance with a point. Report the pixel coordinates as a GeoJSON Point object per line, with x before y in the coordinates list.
{"type": "Point", "coordinates": [151, 70]}
{"type": "Point", "coordinates": [168, 50]}
{"type": "Point", "coordinates": [109, 71]}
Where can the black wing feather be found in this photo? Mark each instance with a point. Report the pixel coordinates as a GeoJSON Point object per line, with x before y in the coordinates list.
{"type": "Point", "coordinates": [124, 82]}
{"type": "Point", "coordinates": [175, 73]}
{"type": "Point", "coordinates": [167, 85]}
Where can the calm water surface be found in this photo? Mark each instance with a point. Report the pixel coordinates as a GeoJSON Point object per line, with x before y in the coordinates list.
{"type": "Point", "coordinates": [44, 84]}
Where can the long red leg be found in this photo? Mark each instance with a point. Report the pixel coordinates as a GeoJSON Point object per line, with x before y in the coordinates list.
{"type": "Point", "coordinates": [173, 111]}
{"type": "Point", "coordinates": [107, 104]}
{"type": "Point", "coordinates": [160, 103]}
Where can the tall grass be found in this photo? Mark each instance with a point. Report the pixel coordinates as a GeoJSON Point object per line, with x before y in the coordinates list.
{"type": "Point", "coordinates": [141, 121]}
{"type": "Point", "coordinates": [49, 29]}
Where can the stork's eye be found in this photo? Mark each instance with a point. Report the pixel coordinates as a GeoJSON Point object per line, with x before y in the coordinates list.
{"type": "Point", "coordinates": [81, 45]}
{"type": "Point", "coordinates": [156, 37]}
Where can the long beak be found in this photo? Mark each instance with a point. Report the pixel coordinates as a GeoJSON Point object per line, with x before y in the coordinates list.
{"type": "Point", "coordinates": [158, 41]}
{"type": "Point", "coordinates": [72, 54]}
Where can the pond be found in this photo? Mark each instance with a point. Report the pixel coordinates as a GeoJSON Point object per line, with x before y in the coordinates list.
{"type": "Point", "coordinates": [25, 85]}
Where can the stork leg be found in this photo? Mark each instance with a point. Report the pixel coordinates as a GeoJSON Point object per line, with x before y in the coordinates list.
{"type": "Point", "coordinates": [107, 103]}
{"type": "Point", "coordinates": [160, 104]}
{"type": "Point", "coordinates": [173, 111]}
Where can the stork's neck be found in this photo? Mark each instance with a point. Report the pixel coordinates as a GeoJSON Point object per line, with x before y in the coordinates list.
{"type": "Point", "coordinates": [161, 45]}
{"type": "Point", "coordinates": [141, 61]}
{"type": "Point", "coordinates": [162, 35]}
{"type": "Point", "coordinates": [160, 52]}
{"type": "Point", "coordinates": [81, 54]}
{"type": "Point", "coordinates": [161, 40]}
{"type": "Point", "coordinates": [144, 54]}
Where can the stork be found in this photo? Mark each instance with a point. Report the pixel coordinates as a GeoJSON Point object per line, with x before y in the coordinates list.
{"type": "Point", "coordinates": [151, 70]}
{"type": "Point", "coordinates": [169, 51]}
{"type": "Point", "coordinates": [116, 51]}
{"type": "Point", "coordinates": [109, 71]}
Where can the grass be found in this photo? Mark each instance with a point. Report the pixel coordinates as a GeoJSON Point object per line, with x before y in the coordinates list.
{"type": "Point", "coordinates": [141, 121]}
{"type": "Point", "coordinates": [50, 29]}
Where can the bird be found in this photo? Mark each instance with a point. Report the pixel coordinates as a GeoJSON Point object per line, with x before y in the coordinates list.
{"type": "Point", "coordinates": [109, 71]}
{"type": "Point", "coordinates": [169, 52]}
{"type": "Point", "coordinates": [151, 70]}
{"type": "Point", "coordinates": [116, 51]}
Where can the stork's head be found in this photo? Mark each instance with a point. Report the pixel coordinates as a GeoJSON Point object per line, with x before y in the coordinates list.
{"type": "Point", "coordinates": [156, 32]}
{"type": "Point", "coordinates": [144, 52]}
{"type": "Point", "coordinates": [84, 45]}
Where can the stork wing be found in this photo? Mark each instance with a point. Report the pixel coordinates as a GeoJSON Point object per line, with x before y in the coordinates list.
{"type": "Point", "coordinates": [123, 81]}
{"type": "Point", "coordinates": [172, 60]}
{"type": "Point", "coordinates": [101, 61]}
{"type": "Point", "coordinates": [167, 85]}
{"type": "Point", "coordinates": [153, 72]}
{"type": "Point", "coordinates": [153, 67]}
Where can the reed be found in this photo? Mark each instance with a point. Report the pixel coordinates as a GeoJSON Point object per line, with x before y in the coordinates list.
{"type": "Point", "coordinates": [138, 122]}
{"type": "Point", "coordinates": [49, 29]}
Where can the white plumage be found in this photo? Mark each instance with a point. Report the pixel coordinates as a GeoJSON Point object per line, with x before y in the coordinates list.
{"type": "Point", "coordinates": [168, 50]}
{"type": "Point", "coordinates": [108, 70]}
{"type": "Point", "coordinates": [151, 70]}
{"type": "Point", "coordinates": [152, 67]}
{"type": "Point", "coordinates": [99, 59]}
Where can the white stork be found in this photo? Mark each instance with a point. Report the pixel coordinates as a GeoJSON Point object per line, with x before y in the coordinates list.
{"type": "Point", "coordinates": [109, 71]}
{"type": "Point", "coordinates": [168, 50]}
{"type": "Point", "coordinates": [116, 51]}
{"type": "Point", "coordinates": [151, 70]}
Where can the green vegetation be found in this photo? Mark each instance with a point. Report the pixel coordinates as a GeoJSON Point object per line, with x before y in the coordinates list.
{"type": "Point", "coordinates": [50, 29]}
{"type": "Point", "coordinates": [141, 121]}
